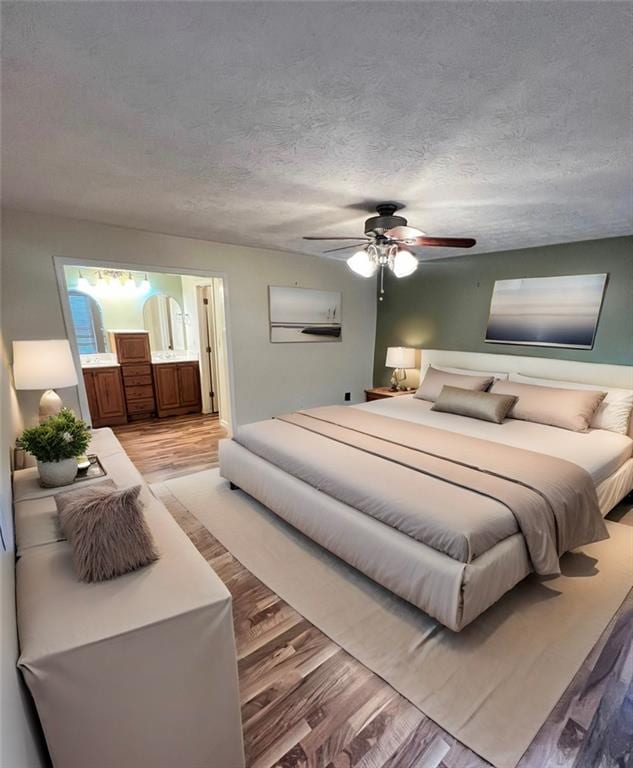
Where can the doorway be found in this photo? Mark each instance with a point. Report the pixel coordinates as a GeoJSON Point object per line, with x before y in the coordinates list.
{"type": "Point", "coordinates": [149, 344]}
{"type": "Point", "coordinates": [213, 352]}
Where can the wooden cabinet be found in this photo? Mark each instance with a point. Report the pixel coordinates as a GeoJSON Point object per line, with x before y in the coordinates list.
{"type": "Point", "coordinates": [142, 389]}
{"type": "Point", "coordinates": [189, 385]}
{"type": "Point", "coordinates": [177, 388]}
{"type": "Point", "coordinates": [166, 379]}
{"type": "Point", "coordinates": [134, 355]}
{"type": "Point", "coordinates": [106, 399]}
{"type": "Point", "coordinates": [131, 347]}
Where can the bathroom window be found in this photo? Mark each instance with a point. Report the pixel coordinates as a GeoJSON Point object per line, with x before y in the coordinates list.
{"type": "Point", "coordinates": [88, 322]}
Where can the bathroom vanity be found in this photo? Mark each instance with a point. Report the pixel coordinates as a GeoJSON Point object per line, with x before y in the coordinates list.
{"type": "Point", "coordinates": [132, 383]}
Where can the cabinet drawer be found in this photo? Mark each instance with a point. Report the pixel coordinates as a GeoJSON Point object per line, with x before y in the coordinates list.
{"type": "Point", "coordinates": [138, 393]}
{"type": "Point", "coordinates": [141, 406]}
{"type": "Point", "coordinates": [136, 370]}
{"type": "Point", "coordinates": [137, 381]}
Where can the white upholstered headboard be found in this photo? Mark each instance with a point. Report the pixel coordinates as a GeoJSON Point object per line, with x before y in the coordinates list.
{"type": "Point", "coordinates": [604, 374]}
{"type": "Point", "coordinates": [540, 367]}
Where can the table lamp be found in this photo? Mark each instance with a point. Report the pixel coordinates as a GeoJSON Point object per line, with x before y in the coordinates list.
{"type": "Point", "coordinates": [399, 358]}
{"type": "Point", "coordinates": [44, 365]}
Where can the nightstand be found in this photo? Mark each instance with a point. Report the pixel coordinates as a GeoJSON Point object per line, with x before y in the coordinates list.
{"type": "Point", "coordinates": [378, 393]}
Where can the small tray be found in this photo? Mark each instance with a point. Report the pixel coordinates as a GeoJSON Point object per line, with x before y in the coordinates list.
{"type": "Point", "coordinates": [94, 470]}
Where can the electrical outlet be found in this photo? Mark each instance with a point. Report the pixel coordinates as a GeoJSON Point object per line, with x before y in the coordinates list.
{"type": "Point", "coordinates": [348, 396]}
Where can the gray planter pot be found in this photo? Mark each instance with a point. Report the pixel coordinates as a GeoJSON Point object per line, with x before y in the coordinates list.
{"type": "Point", "coordinates": [56, 473]}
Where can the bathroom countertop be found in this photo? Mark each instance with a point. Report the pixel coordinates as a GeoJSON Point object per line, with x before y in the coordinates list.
{"type": "Point", "coordinates": [183, 357]}
{"type": "Point", "coordinates": [108, 360]}
{"type": "Point", "coordinates": [104, 360]}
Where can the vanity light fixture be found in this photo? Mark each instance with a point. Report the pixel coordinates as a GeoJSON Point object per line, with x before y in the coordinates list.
{"type": "Point", "coordinates": [113, 282]}
{"type": "Point", "coordinates": [83, 284]}
{"type": "Point", "coordinates": [102, 283]}
{"type": "Point", "coordinates": [129, 286]}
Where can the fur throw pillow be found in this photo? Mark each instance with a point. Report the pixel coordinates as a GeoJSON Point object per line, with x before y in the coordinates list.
{"type": "Point", "coordinates": [107, 531]}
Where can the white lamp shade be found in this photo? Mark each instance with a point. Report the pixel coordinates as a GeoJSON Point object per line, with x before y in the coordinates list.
{"type": "Point", "coordinates": [43, 364]}
{"type": "Point", "coordinates": [400, 357]}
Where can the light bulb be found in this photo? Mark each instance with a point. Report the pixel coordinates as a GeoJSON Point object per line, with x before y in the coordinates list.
{"type": "Point", "coordinates": [145, 285]}
{"type": "Point", "coordinates": [102, 285]}
{"type": "Point", "coordinates": [362, 264]}
{"type": "Point", "coordinates": [129, 286]}
{"type": "Point", "coordinates": [404, 263]}
{"type": "Point", "coordinates": [116, 284]}
{"type": "Point", "coordinates": [83, 284]}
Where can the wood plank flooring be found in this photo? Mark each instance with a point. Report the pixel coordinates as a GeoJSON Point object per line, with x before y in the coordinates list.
{"type": "Point", "coordinates": [173, 446]}
{"type": "Point", "coordinates": [306, 703]}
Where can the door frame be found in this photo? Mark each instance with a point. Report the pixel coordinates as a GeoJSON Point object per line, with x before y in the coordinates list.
{"type": "Point", "coordinates": [207, 375]}
{"type": "Point", "coordinates": [65, 261]}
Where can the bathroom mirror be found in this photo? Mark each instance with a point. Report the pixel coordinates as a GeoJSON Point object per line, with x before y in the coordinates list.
{"type": "Point", "coordinates": [88, 322]}
{"type": "Point", "coordinates": [163, 320]}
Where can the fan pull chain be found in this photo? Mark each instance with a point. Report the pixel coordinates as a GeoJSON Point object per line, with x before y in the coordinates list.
{"type": "Point", "coordinates": [382, 287]}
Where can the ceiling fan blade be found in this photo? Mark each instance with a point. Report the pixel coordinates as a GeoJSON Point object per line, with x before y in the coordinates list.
{"type": "Point", "coordinates": [336, 238]}
{"type": "Point", "coordinates": [403, 233]}
{"type": "Point", "coordinates": [345, 247]}
{"type": "Point", "coordinates": [443, 242]}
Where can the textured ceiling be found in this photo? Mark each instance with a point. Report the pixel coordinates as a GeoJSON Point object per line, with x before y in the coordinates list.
{"type": "Point", "coordinates": [256, 123]}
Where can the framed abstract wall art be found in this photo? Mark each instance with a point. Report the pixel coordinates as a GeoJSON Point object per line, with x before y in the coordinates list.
{"type": "Point", "coordinates": [546, 311]}
{"type": "Point", "coordinates": [304, 315]}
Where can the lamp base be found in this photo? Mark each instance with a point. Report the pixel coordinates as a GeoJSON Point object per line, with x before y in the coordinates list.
{"type": "Point", "coordinates": [395, 384]}
{"type": "Point", "coordinates": [50, 405]}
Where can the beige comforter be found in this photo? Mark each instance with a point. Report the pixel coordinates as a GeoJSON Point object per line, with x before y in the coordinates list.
{"type": "Point", "coordinates": [460, 495]}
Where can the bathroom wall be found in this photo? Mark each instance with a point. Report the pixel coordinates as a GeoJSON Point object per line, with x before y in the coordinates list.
{"type": "Point", "coordinates": [121, 311]}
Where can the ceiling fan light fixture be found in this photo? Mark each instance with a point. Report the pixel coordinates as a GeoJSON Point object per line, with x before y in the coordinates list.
{"type": "Point", "coordinates": [362, 264]}
{"type": "Point", "coordinates": [404, 263]}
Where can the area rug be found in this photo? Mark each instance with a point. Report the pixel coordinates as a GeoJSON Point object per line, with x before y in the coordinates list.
{"type": "Point", "coordinates": [492, 685]}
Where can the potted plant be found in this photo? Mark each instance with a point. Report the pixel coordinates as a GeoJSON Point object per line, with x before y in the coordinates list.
{"type": "Point", "coordinates": [56, 443]}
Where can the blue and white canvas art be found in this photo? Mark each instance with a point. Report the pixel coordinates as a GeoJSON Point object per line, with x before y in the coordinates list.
{"type": "Point", "coordinates": [546, 311]}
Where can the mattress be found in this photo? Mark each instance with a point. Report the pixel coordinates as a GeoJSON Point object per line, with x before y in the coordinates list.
{"type": "Point", "coordinates": [599, 452]}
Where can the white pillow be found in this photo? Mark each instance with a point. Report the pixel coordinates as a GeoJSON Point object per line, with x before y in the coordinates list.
{"type": "Point", "coordinates": [468, 372]}
{"type": "Point", "coordinates": [613, 413]}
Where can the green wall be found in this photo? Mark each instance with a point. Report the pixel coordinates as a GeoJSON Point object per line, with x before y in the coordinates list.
{"type": "Point", "coordinates": [445, 304]}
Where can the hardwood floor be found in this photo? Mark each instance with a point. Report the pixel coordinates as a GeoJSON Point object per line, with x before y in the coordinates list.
{"type": "Point", "coordinates": [306, 703]}
{"type": "Point", "coordinates": [173, 446]}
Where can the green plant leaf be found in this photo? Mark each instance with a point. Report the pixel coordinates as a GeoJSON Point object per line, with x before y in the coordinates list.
{"type": "Point", "coordinates": [62, 436]}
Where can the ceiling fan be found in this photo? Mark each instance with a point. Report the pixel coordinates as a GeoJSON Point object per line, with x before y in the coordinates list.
{"type": "Point", "coordinates": [386, 236]}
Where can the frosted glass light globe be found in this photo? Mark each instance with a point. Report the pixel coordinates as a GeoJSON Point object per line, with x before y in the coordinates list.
{"type": "Point", "coordinates": [362, 264]}
{"type": "Point", "coordinates": [404, 263]}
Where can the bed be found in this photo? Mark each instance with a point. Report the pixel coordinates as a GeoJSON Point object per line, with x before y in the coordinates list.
{"type": "Point", "coordinates": [447, 543]}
